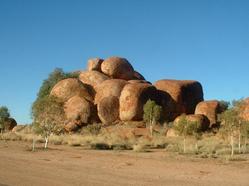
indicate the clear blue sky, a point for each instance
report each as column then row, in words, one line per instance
column 205, row 40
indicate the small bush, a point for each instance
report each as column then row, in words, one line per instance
column 100, row 146
column 93, row 129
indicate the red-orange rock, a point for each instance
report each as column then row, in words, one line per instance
column 94, row 64
column 70, row 87
column 108, row 109
column 139, row 81
column 210, row 109
column 138, row 76
column 132, row 99
column 92, row 78
column 185, row 94
column 201, row 119
column 118, row 68
column 111, row 87
column 78, row 109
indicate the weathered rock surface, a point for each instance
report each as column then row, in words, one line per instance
column 108, row 109
column 138, row 76
column 112, row 87
column 70, row 87
column 210, row 109
column 139, row 81
column 78, row 110
column 185, row 94
column 199, row 118
column 94, row 64
column 92, row 78
column 132, row 99
column 117, row 68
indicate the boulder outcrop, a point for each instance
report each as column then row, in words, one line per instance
column 94, row 64
column 108, row 109
column 67, row 88
column 117, row 68
column 78, row 110
column 132, row 99
column 185, row 95
column 199, row 118
column 111, row 87
column 210, row 109
column 92, row 78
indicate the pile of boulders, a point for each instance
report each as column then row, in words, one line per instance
column 111, row 90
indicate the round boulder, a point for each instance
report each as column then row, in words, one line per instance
column 94, row 64
column 92, row 78
column 210, row 109
column 186, row 94
column 78, row 109
column 108, row 109
column 132, row 99
column 112, row 87
column 118, row 68
column 199, row 118
column 67, row 88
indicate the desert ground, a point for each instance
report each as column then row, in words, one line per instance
column 65, row 165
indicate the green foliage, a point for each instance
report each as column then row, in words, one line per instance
column 188, row 128
column 4, row 115
column 152, row 112
column 224, row 105
column 57, row 75
column 49, row 118
column 47, row 85
column 229, row 121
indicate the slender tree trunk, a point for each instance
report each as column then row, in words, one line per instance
column 33, row 145
column 239, row 142
column 46, row 143
column 245, row 143
column 232, row 145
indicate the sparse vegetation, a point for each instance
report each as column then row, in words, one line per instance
column 152, row 114
column 49, row 118
column 4, row 115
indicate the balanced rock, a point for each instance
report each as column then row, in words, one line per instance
column 111, row 87
column 118, row 68
column 186, row 94
column 199, row 118
column 108, row 109
column 210, row 109
column 67, row 88
column 94, row 64
column 92, row 78
column 78, row 109
column 132, row 99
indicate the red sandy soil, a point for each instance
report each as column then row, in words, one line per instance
column 64, row 165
